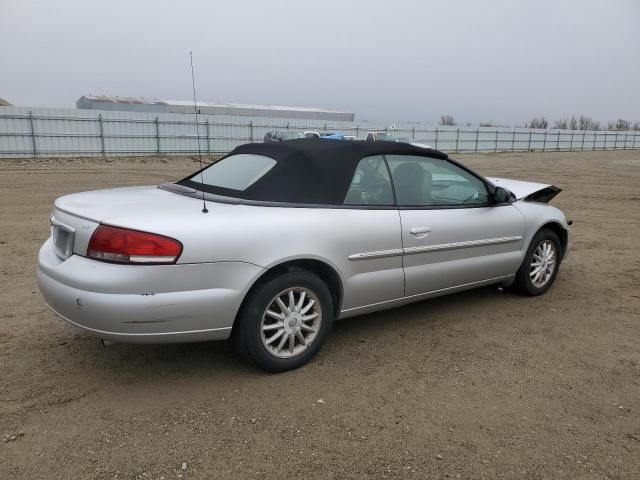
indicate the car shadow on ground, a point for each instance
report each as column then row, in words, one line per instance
column 194, row 358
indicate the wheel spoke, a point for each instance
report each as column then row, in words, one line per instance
column 308, row 306
column 303, row 295
column 283, row 307
column 300, row 338
column 311, row 316
column 283, row 340
column 292, row 342
column 273, row 326
column 272, row 314
column 536, row 277
column 275, row 337
column 307, row 328
column 292, row 301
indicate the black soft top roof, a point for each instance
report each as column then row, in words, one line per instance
column 310, row 170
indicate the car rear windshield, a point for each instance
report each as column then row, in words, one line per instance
column 237, row 172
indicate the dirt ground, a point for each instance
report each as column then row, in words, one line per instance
column 475, row 385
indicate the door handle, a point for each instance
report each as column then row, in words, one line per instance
column 420, row 231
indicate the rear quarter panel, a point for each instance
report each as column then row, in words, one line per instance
column 268, row 236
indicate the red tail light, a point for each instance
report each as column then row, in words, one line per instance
column 121, row 245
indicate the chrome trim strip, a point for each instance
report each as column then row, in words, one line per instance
column 394, row 252
column 441, row 247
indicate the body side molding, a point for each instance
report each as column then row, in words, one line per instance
column 433, row 248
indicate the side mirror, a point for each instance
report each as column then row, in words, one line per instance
column 501, row 195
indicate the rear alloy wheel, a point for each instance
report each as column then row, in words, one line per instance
column 291, row 322
column 284, row 321
column 540, row 265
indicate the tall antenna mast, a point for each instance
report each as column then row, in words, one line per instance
column 195, row 111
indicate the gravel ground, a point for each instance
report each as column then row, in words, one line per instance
column 474, row 385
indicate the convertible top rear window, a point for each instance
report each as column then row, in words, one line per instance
column 306, row 171
column 237, row 172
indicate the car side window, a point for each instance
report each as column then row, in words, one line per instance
column 371, row 184
column 431, row 182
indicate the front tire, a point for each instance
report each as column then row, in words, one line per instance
column 284, row 321
column 540, row 265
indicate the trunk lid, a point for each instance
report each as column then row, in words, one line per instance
column 151, row 209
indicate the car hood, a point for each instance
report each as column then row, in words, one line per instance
column 527, row 190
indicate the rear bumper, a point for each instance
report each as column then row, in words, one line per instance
column 145, row 303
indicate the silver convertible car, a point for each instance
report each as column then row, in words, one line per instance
column 273, row 242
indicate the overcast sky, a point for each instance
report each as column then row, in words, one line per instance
column 492, row 60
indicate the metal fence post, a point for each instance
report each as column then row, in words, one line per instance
column 102, row 151
column 413, row 132
column 208, row 138
column 571, row 145
column 615, row 142
column 544, row 143
column 624, row 145
column 582, row 144
column 477, row 135
column 457, row 139
column 251, row 131
column 436, row 138
column 157, row 135
column 529, row 145
column 635, row 135
column 358, row 130
column 593, row 147
column 33, row 134
column 513, row 139
column 496, row 139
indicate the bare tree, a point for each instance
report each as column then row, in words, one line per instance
column 622, row 124
column 636, row 126
column 573, row 123
column 538, row 123
column 619, row 124
column 587, row 123
column 561, row 124
column 447, row 120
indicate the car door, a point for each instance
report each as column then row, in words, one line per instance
column 452, row 234
column 373, row 271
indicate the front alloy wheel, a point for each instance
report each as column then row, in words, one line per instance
column 543, row 263
column 540, row 265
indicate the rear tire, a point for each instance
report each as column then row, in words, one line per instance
column 540, row 265
column 284, row 321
